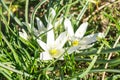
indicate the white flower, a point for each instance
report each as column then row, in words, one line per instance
column 52, row 48
column 37, row 31
column 23, row 34
column 77, row 39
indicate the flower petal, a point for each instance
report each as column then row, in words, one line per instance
column 85, row 46
column 42, row 44
column 45, row 56
column 23, row 34
column 61, row 40
column 52, row 14
column 72, row 49
column 40, row 25
column 81, row 30
column 90, row 38
column 68, row 27
column 50, row 34
column 101, row 35
column 36, row 33
column 80, row 47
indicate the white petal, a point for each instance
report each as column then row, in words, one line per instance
column 52, row 14
column 36, row 33
column 50, row 34
column 40, row 25
column 23, row 34
column 101, row 35
column 85, row 46
column 68, row 27
column 42, row 44
column 80, row 47
column 72, row 49
column 61, row 40
column 81, row 30
column 45, row 56
column 90, row 38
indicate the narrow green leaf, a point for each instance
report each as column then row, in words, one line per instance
column 14, row 53
column 82, row 13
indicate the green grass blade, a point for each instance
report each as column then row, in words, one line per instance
column 91, row 64
column 14, row 53
column 82, row 13
column 105, row 70
column 14, row 70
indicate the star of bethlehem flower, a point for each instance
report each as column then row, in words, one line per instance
column 52, row 48
column 40, row 26
column 77, row 39
column 37, row 31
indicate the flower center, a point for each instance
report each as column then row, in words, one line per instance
column 53, row 52
column 75, row 43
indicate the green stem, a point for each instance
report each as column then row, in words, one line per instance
column 68, row 8
column 26, row 15
column 26, row 11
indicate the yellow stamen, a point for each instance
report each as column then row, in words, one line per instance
column 53, row 52
column 75, row 43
